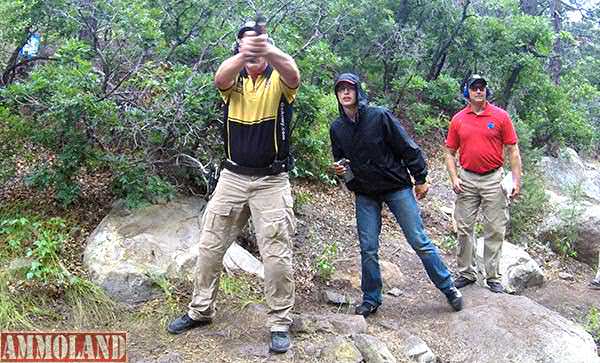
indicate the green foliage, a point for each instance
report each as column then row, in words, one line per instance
column 89, row 303
column 138, row 188
column 592, row 324
column 134, row 79
column 324, row 264
column 10, row 143
column 240, row 287
column 566, row 239
column 301, row 199
column 39, row 240
column 315, row 110
column 527, row 211
column 449, row 242
column 13, row 312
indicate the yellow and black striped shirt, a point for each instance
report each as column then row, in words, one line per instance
column 257, row 119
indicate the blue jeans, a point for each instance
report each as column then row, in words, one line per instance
column 403, row 205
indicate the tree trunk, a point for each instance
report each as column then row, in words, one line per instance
column 508, row 89
column 439, row 57
column 87, row 32
column 529, row 7
column 555, row 61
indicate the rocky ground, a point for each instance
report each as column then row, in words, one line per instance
column 326, row 218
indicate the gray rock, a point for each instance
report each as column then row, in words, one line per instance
column 130, row 249
column 332, row 297
column 500, row 328
column 566, row 276
column 518, row 269
column 395, row 292
column 560, row 175
column 340, row 350
column 19, row 264
column 418, row 350
column 127, row 251
column 391, row 274
column 238, row 259
column 171, row 358
column 343, row 324
column 586, row 224
column 569, row 170
column 372, row 349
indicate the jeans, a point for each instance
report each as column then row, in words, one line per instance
column 404, row 206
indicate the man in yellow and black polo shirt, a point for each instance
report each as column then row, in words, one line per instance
column 258, row 84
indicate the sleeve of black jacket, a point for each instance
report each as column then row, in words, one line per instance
column 336, row 150
column 404, row 148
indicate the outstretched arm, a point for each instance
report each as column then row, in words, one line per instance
column 228, row 71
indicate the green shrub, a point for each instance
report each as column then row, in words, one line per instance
column 301, row 199
column 41, row 241
column 325, row 262
column 315, row 110
column 592, row 324
column 138, row 188
column 527, row 211
column 566, row 239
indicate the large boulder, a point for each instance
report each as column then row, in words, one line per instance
column 579, row 217
column 518, row 269
column 583, row 218
column 567, row 171
column 507, row 328
column 129, row 251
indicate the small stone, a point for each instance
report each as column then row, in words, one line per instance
column 395, row 292
column 554, row 264
column 334, row 298
column 447, row 210
column 566, row 276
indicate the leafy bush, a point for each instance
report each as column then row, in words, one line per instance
column 301, row 199
column 592, row 324
column 64, row 114
column 315, row 110
column 324, row 264
column 527, row 211
column 42, row 241
column 138, row 187
column 566, row 239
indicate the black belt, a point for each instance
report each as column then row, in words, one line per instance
column 484, row 173
column 278, row 166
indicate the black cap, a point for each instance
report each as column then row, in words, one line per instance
column 476, row 78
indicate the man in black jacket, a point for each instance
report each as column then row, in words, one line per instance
column 377, row 158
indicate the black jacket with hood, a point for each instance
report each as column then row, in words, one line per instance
column 380, row 151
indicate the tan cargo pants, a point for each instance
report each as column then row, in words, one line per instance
column 481, row 192
column 268, row 200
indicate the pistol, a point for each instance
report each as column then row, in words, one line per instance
column 260, row 23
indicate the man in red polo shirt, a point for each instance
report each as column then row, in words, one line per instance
column 480, row 133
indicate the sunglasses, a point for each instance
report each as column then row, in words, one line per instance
column 477, row 88
column 345, row 87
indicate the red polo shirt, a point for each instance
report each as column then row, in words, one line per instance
column 480, row 139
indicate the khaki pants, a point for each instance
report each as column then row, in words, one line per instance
column 485, row 192
column 269, row 201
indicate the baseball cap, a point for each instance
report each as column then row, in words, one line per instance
column 340, row 81
column 476, row 78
